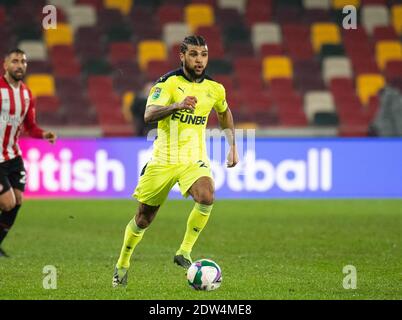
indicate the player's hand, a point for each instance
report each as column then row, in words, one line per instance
column 233, row 157
column 50, row 136
column 188, row 103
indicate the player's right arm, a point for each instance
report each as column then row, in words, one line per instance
column 155, row 112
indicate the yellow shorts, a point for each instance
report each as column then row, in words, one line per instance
column 157, row 180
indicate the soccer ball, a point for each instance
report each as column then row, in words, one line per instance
column 204, row 274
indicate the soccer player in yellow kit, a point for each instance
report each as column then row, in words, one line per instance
column 180, row 101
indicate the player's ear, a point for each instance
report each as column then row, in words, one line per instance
column 181, row 55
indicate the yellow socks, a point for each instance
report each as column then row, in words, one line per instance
column 196, row 222
column 132, row 237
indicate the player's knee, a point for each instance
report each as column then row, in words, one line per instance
column 143, row 221
column 205, row 197
column 7, row 205
column 145, row 215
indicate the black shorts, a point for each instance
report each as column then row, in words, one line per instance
column 12, row 175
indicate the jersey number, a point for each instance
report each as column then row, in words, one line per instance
column 202, row 164
column 23, row 179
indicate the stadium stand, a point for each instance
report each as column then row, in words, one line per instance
column 285, row 63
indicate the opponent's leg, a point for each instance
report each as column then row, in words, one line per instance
column 202, row 192
column 8, row 214
column 133, row 235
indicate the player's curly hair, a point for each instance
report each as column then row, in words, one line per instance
column 192, row 40
column 13, row 50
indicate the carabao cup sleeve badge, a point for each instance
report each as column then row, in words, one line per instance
column 157, row 93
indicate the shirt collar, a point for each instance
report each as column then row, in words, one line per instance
column 181, row 72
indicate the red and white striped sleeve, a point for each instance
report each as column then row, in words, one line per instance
column 30, row 124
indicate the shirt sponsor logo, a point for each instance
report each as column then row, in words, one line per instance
column 189, row 118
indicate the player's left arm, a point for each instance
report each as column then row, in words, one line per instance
column 33, row 129
column 226, row 122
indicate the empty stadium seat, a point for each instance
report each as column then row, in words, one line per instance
column 169, row 13
column 336, row 67
column 387, row 50
column 41, row 84
column 339, row 4
column 260, row 12
column 150, row 50
column 47, row 104
column 213, row 35
column 35, row 50
column 297, row 41
column 198, row 15
column 384, row 33
column 81, row 16
column 324, row 33
column 318, row 102
column 396, row 12
column 175, row 32
column 156, row 69
column 393, row 69
column 239, row 5
column 122, row 51
column 277, row 67
column 262, row 33
column 374, row 16
column 368, row 85
column 271, row 50
column 64, row 4
column 317, row 4
column 63, row 35
column 96, row 4
column 123, row 5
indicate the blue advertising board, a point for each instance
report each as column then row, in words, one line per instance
column 268, row 168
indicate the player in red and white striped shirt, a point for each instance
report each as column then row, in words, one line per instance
column 17, row 110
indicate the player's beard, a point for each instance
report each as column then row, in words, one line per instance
column 192, row 72
column 17, row 77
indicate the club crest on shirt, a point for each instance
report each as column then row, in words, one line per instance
column 157, row 93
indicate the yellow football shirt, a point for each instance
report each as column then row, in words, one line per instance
column 181, row 136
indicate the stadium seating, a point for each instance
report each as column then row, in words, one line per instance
column 175, row 32
column 239, row 5
column 339, row 4
column 368, row 85
column 63, row 35
column 388, row 50
column 199, row 15
column 317, row 4
column 289, row 61
column 336, row 67
column 277, row 67
column 324, row 33
column 35, row 49
column 41, row 84
column 81, row 16
column 123, row 5
column 318, row 102
column 374, row 16
column 263, row 33
column 396, row 13
column 149, row 50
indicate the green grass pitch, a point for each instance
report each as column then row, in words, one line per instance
column 277, row 249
